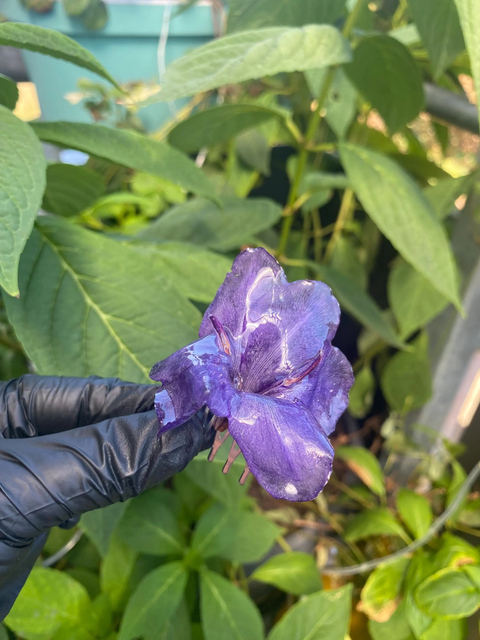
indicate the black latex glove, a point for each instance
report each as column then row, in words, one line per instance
column 71, row 445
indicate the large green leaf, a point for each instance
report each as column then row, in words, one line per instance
column 101, row 523
column 254, row 151
column 150, row 526
column 442, row 195
column 201, row 222
column 469, row 13
column 207, row 128
column 8, row 92
column 154, row 602
column 71, row 189
column 195, row 272
column 253, row 14
column 254, row 54
column 396, row 628
column 415, row 511
column 403, row 215
column 365, row 465
column 439, row 26
column 321, row 616
column 227, row 534
column 49, row 600
column 377, row 522
column 421, row 566
column 376, row 61
column 22, row 181
column 130, row 149
column 413, row 300
column 227, row 613
column 116, row 570
column 92, row 305
column 293, row 572
column 381, row 594
column 358, row 303
column 52, row 43
column 449, row 594
column 441, row 629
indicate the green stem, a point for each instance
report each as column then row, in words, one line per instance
column 348, row 202
column 317, row 235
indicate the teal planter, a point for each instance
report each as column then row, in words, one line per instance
column 127, row 47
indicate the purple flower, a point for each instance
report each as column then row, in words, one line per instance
column 265, row 367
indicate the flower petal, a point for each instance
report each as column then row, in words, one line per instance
column 190, row 377
column 283, row 445
column 325, row 390
column 279, row 325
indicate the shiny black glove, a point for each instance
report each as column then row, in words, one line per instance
column 71, row 445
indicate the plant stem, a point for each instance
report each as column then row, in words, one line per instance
column 466, row 529
column 348, row 202
column 317, row 235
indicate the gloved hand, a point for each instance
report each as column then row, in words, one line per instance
column 71, row 445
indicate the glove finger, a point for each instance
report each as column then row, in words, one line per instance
column 39, row 405
column 45, row 481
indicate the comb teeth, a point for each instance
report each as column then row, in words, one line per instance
column 245, row 474
column 220, row 438
column 232, row 456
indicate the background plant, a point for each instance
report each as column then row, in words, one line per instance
column 306, row 139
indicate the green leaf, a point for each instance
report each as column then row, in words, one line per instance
column 8, row 92
column 71, row 189
column 439, row 26
column 253, row 150
column 320, row 616
column 415, row 511
column 130, row 149
column 177, row 628
column 320, row 180
column 378, row 59
column 442, row 195
column 209, row 477
column 420, row 568
column 365, row 465
column 377, row 522
column 200, row 222
column 75, row 7
column 3, row 633
column 473, row 572
column 51, row 43
column 22, row 181
column 362, row 393
column 91, row 305
column 254, row 54
column 293, row 572
column 218, row 124
column 116, row 570
column 469, row 14
column 380, row 596
column 396, row 628
column 101, row 523
column 345, row 259
column 446, row 630
column 195, row 273
column 49, row 600
column 96, row 15
column 237, row 536
column 406, row 380
column 358, row 303
column 253, row 14
column 227, row 613
column 403, row 215
column 413, row 300
column 340, row 103
column 150, row 526
column 455, row 552
column 153, row 603
column 448, row 594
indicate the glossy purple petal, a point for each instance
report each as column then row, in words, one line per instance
column 190, row 378
column 284, row 447
column 324, row 391
column 284, row 323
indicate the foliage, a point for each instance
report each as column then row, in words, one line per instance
column 301, row 136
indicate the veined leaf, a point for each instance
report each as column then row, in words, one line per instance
column 415, row 511
column 227, row 613
column 22, row 181
column 380, row 596
column 449, row 593
column 100, row 524
column 130, row 149
column 377, row 522
column 469, row 14
column 202, row 223
column 92, row 305
column 403, row 215
column 254, row 54
column 253, row 14
column 378, row 59
column 71, row 189
column 208, row 128
column 8, row 92
column 293, row 572
column 365, row 465
column 51, row 43
column 439, row 27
